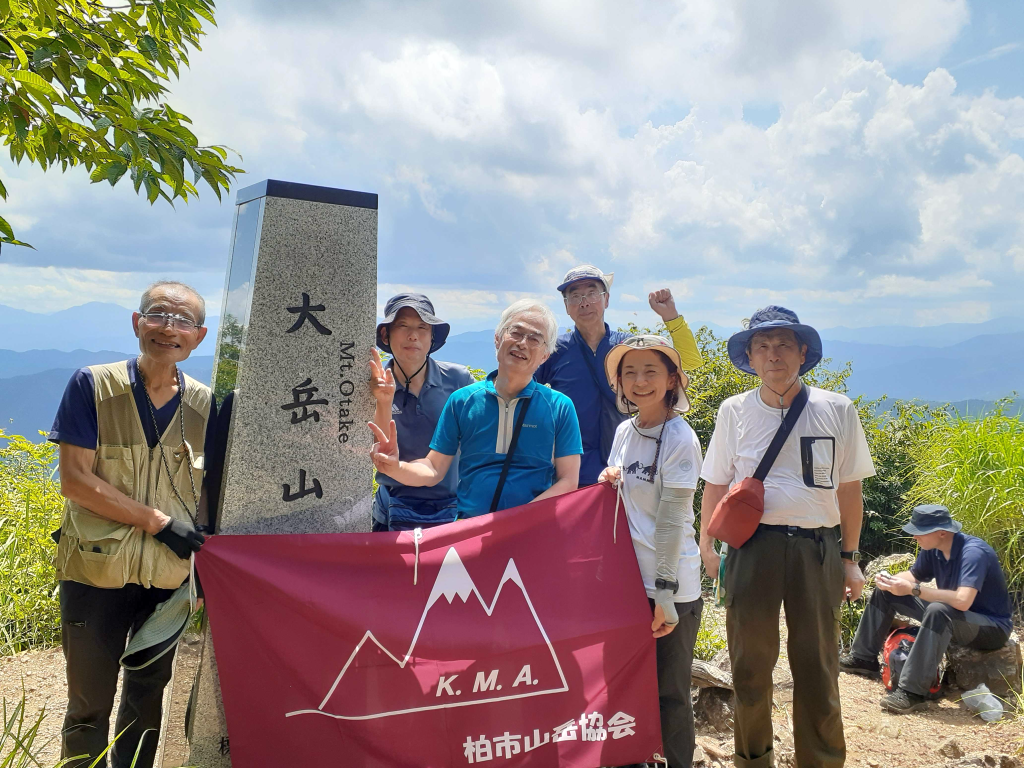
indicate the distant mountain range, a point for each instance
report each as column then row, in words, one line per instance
column 96, row 325
column 970, row 364
column 28, row 402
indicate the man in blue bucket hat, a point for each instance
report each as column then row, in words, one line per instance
column 411, row 389
column 795, row 557
column 969, row 604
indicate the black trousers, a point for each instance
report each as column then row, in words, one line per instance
column 675, row 664
column 940, row 624
column 95, row 627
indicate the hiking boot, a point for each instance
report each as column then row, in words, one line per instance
column 858, row 666
column 901, row 701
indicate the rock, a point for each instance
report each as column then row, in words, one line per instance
column 892, row 563
column 889, row 731
column 782, row 677
column 999, row 670
column 715, row 707
column 982, row 760
column 722, row 660
column 950, row 748
column 699, row 757
column 708, row 675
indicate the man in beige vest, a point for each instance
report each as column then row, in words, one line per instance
column 133, row 438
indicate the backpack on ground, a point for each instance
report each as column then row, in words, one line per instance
column 894, row 656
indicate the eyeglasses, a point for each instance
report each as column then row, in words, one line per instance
column 177, row 322
column 575, row 299
column 533, row 340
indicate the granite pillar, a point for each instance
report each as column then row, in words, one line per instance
column 296, row 330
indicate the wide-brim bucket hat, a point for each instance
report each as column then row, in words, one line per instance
column 662, row 345
column 928, row 518
column 586, row 272
column 768, row 319
column 424, row 308
column 160, row 632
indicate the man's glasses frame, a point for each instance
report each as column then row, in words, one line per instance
column 533, row 340
column 575, row 299
column 177, row 322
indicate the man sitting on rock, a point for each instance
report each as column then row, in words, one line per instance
column 969, row 605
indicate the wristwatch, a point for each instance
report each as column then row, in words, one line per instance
column 663, row 584
column 853, row 555
column 916, row 589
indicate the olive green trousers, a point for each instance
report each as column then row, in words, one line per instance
column 805, row 574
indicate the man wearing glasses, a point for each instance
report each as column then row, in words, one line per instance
column 134, row 439
column 576, row 366
column 519, row 441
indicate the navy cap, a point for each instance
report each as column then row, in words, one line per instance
column 928, row 518
column 768, row 319
column 424, row 308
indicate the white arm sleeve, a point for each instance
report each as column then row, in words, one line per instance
column 668, row 543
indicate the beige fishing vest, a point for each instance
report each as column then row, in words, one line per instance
column 104, row 553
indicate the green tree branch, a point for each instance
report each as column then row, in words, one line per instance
column 81, row 83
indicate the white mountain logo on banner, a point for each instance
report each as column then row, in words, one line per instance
column 522, row 662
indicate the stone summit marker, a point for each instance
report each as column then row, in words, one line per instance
column 296, row 329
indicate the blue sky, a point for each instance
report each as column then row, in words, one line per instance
column 859, row 162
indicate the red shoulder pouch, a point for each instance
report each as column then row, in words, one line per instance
column 738, row 513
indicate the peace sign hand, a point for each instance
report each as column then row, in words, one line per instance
column 384, row 453
column 382, row 381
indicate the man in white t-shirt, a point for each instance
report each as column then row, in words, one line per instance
column 796, row 557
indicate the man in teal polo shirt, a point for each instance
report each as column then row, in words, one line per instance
column 481, row 421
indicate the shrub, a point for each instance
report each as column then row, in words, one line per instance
column 976, row 468
column 893, row 435
column 30, row 509
column 710, row 640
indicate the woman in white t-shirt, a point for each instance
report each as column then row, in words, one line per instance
column 656, row 460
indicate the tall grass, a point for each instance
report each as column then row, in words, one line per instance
column 976, row 468
column 19, row 736
column 30, row 508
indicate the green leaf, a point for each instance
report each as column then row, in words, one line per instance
column 97, row 70
column 20, row 126
column 5, row 228
column 93, row 87
column 103, row 124
column 148, row 46
column 22, row 58
column 115, row 171
column 3, row 190
column 32, row 80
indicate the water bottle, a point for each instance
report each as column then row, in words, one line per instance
column 982, row 701
column 720, row 581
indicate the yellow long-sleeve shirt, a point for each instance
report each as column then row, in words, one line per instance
column 685, row 344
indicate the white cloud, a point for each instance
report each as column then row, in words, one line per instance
column 51, row 289
column 511, row 141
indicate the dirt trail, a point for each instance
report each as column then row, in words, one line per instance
column 874, row 738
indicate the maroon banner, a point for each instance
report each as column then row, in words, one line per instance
column 520, row 638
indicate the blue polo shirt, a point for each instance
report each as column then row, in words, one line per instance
column 478, row 422
column 415, row 421
column 566, row 371
column 972, row 563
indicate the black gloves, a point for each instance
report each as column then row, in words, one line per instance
column 181, row 537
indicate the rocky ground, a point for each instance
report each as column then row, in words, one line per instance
column 945, row 735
